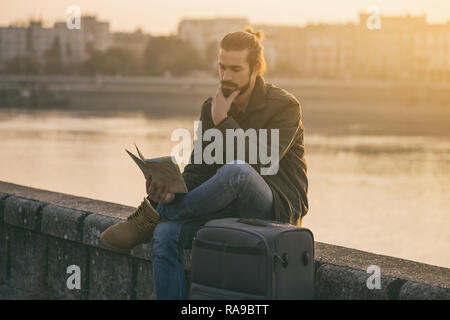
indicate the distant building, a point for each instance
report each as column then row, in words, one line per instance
column 405, row 47
column 72, row 44
column 135, row 42
column 284, row 49
column 328, row 51
column 39, row 39
column 431, row 52
column 204, row 33
column 96, row 34
column 75, row 45
column 282, row 46
column 13, row 43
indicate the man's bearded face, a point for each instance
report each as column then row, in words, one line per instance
column 228, row 88
column 235, row 72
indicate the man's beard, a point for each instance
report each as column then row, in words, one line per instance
column 227, row 91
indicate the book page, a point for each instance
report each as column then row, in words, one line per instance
column 162, row 169
column 168, row 174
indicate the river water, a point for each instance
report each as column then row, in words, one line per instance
column 383, row 194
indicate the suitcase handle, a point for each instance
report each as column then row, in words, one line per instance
column 255, row 222
column 225, row 247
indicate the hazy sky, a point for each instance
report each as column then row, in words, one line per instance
column 163, row 16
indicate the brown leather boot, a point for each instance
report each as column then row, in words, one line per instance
column 137, row 229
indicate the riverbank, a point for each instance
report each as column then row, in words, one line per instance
column 329, row 107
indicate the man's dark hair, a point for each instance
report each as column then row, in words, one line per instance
column 248, row 39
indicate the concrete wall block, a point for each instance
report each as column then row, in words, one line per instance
column 94, row 225
column 62, row 222
column 110, row 275
column 144, row 284
column 143, row 251
column 23, row 213
column 61, row 255
column 420, row 291
column 3, row 196
column 28, row 259
column 344, row 283
column 3, row 253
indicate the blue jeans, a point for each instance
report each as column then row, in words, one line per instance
column 236, row 190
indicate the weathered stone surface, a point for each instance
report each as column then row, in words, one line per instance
column 94, row 225
column 62, row 222
column 340, row 271
column 7, row 292
column 3, row 196
column 67, row 200
column 3, row 240
column 23, row 213
column 28, row 258
column 390, row 266
column 143, row 251
column 343, row 283
column 144, row 284
column 420, row 291
column 3, row 252
column 61, row 255
column 110, row 275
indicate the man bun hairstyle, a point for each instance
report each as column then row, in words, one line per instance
column 258, row 34
column 247, row 39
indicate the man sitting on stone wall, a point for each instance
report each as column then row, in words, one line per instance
column 231, row 188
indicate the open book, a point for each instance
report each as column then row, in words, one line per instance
column 164, row 169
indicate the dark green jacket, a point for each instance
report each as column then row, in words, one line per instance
column 269, row 107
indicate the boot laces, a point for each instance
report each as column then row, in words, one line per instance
column 141, row 219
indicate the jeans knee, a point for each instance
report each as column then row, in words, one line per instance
column 166, row 237
column 237, row 174
column 236, row 168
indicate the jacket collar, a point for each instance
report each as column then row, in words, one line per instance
column 256, row 100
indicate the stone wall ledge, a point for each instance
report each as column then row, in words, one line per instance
column 42, row 233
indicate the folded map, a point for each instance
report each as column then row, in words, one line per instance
column 163, row 169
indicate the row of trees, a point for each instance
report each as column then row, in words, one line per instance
column 162, row 54
column 50, row 63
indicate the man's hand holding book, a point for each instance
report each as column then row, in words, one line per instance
column 157, row 191
column 162, row 175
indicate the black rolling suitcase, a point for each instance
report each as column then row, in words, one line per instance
column 241, row 259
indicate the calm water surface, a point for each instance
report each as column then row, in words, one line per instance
column 382, row 194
